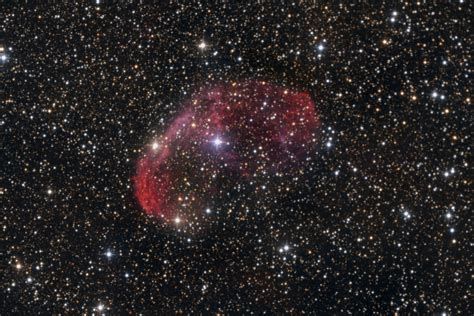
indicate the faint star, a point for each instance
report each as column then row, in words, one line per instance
column 406, row 214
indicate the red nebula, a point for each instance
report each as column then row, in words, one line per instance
column 225, row 134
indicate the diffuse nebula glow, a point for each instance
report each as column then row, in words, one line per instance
column 226, row 134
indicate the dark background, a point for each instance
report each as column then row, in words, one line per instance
column 85, row 88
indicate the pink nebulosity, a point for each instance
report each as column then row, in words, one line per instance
column 226, row 133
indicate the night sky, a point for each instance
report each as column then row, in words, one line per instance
column 291, row 158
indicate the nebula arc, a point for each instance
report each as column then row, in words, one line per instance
column 226, row 133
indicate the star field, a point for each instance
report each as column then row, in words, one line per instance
column 306, row 158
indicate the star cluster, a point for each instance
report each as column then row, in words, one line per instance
column 369, row 214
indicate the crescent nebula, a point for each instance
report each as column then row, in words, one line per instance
column 227, row 139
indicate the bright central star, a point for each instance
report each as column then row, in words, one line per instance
column 217, row 142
